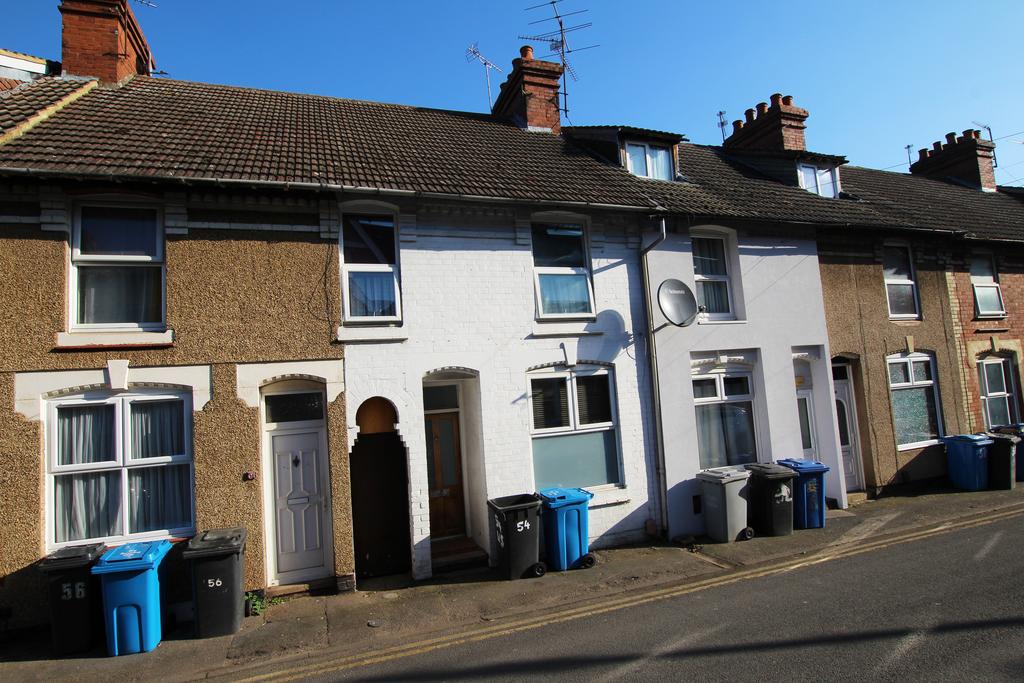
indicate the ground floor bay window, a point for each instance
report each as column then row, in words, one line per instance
column 575, row 440
column 119, row 467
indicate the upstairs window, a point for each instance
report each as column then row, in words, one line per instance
column 370, row 269
column 725, row 419
column 988, row 296
column 995, row 378
column 900, row 286
column 560, row 270
column 117, row 269
column 820, row 181
column 915, row 400
column 574, row 429
column 649, row 161
column 711, row 273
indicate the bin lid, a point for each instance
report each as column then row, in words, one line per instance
column 523, row 501
column 976, row 439
column 71, row 557
column 1012, row 437
column 770, row 470
column 557, row 497
column 724, row 475
column 804, row 465
column 132, row 557
column 216, row 542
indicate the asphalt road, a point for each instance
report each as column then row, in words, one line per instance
column 950, row 607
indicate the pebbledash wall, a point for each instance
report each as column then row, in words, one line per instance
column 777, row 338
column 467, row 289
column 248, row 304
column 862, row 333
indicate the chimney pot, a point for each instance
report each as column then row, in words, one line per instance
column 976, row 134
column 950, row 138
column 787, row 100
column 776, row 99
column 762, row 107
column 526, row 52
column 937, row 146
column 922, row 154
column 969, row 134
column 737, row 126
column 749, row 114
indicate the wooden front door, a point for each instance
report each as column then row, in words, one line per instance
column 444, row 474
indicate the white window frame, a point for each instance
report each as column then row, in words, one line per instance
column 1009, row 388
column 807, row 396
column 908, row 359
column 832, row 172
column 122, row 462
column 727, row 278
column 574, row 426
column 555, row 270
column 719, row 375
column 647, row 154
column 975, row 286
column 115, row 260
column 395, row 269
column 895, row 281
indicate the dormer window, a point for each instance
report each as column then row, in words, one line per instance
column 821, row 181
column 649, row 161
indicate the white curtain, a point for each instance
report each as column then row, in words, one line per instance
column 87, row 505
column 122, row 294
column 714, row 296
column 158, row 498
column 725, row 434
column 157, row 429
column 371, row 294
column 564, row 293
column 85, row 434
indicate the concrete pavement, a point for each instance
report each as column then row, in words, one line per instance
column 389, row 614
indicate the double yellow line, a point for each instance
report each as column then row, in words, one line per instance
column 538, row 621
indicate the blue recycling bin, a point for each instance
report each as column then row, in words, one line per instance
column 808, row 492
column 967, row 461
column 131, row 595
column 566, row 527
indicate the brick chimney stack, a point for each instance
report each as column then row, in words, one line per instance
column 776, row 128
column 967, row 158
column 529, row 96
column 102, row 38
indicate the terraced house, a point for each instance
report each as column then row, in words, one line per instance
column 347, row 325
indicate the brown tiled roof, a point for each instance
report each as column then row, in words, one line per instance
column 159, row 129
column 26, row 99
column 936, row 204
column 8, row 83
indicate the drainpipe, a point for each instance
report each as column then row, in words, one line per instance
column 652, row 353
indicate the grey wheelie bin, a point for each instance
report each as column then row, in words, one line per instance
column 724, row 493
column 1002, row 457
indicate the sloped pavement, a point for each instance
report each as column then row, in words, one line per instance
column 387, row 613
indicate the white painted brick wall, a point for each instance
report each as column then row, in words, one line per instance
column 469, row 301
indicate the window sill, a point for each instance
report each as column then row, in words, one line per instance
column 382, row 333
column 907, row 319
column 919, row 445
column 732, row 321
column 563, row 328
column 605, row 496
column 120, row 338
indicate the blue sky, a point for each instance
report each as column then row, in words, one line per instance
column 874, row 75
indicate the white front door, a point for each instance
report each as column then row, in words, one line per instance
column 849, row 442
column 299, row 462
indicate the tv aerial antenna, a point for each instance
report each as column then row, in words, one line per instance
column 910, row 158
column 721, row 122
column 473, row 52
column 988, row 129
column 558, row 43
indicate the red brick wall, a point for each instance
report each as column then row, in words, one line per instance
column 102, row 38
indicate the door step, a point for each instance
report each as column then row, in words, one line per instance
column 452, row 554
column 856, row 498
column 326, row 585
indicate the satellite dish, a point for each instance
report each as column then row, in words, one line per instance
column 677, row 303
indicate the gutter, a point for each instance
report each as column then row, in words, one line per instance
column 318, row 187
column 652, row 354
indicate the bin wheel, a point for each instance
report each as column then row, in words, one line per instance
column 747, row 534
column 588, row 561
column 538, row 570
